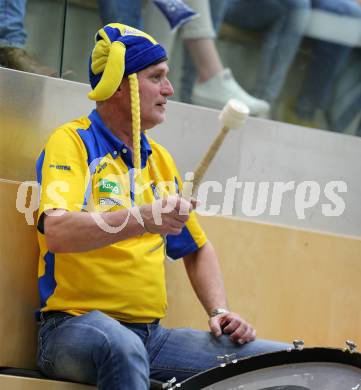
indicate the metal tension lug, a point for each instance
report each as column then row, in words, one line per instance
column 226, row 359
column 351, row 346
column 298, row 345
column 169, row 384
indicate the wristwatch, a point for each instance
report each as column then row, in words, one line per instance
column 219, row 310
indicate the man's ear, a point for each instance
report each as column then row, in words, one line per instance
column 118, row 92
column 122, row 87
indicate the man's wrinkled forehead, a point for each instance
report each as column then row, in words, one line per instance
column 161, row 66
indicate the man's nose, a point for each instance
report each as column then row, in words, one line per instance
column 167, row 88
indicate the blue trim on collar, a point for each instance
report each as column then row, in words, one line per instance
column 145, row 149
column 113, row 143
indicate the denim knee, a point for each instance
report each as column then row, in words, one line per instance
column 124, row 353
column 123, row 345
column 114, row 339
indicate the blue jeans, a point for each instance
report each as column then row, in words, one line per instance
column 96, row 349
column 339, row 123
column 346, row 98
column 283, row 22
column 121, row 11
column 12, row 31
column 328, row 59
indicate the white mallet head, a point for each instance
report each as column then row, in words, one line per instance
column 234, row 114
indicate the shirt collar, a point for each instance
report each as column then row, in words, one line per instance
column 115, row 144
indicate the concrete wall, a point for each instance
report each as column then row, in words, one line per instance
column 263, row 151
column 289, row 283
column 268, row 151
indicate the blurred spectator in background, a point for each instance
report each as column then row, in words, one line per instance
column 339, row 121
column 283, row 23
column 13, row 38
column 345, row 105
column 121, row 11
column 215, row 85
column 328, row 59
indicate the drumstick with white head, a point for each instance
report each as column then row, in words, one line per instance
column 233, row 115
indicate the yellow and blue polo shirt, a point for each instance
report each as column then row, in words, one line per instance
column 85, row 167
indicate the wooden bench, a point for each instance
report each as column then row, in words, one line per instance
column 19, row 299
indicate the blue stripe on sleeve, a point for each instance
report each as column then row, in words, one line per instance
column 181, row 244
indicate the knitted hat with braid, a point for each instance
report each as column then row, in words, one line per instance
column 121, row 51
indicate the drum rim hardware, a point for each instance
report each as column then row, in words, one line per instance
column 298, row 344
column 351, row 346
column 227, row 358
column 253, row 363
column 170, row 382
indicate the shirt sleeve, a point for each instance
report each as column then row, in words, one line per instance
column 63, row 173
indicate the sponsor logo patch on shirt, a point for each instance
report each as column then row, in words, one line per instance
column 61, row 167
column 101, row 167
column 108, row 186
column 110, row 201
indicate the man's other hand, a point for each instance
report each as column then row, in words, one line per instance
column 168, row 215
column 238, row 329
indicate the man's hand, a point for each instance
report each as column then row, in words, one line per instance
column 167, row 216
column 231, row 323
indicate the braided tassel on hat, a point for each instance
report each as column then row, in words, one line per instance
column 122, row 51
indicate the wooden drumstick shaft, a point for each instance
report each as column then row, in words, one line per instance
column 190, row 186
column 208, row 158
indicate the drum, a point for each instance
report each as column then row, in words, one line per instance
column 306, row 369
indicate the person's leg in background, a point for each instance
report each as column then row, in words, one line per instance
column 12, row 30
column 340, row 123
column 215, row 85
column 345, row 100
column 280, row 47
column 140, row 14
column 121, row 11
column 328, row 59
column 283, row 23
column 13, row 39
column 344, row 109
column 198, row 36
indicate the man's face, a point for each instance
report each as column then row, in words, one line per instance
column 154, row 89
